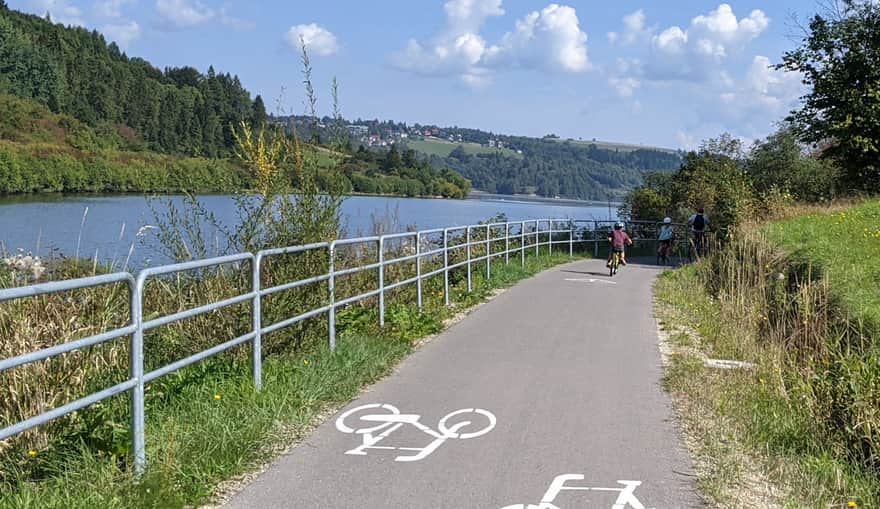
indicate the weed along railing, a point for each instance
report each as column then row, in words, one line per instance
column 434, row 253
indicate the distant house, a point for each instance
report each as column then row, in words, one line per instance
column 358, row 130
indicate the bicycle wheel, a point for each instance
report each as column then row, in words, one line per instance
column 455, row 430
column 363, row 411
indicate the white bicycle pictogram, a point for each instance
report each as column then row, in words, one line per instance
column 376, row 421
column 626, row 495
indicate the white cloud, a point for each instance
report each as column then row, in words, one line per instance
column 318, row 40
column 634, row 28
column 671, row 41
column 767, row 88
column 694, row 53
column 237, row 24
column 721, row 26
column 464, row 16
column 183, row 13
column 122, row 33
column 625, row 78
column 710, row 37
column 685, row 140
column 547, row 39
column 59, row 10
column 457, row 49
column 110, row 9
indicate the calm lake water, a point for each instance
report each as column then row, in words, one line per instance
column 55, row 224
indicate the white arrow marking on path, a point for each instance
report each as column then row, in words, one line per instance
column 584, row 280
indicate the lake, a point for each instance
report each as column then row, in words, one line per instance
column 106, row 227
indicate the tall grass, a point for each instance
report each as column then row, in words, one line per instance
column 813, row 405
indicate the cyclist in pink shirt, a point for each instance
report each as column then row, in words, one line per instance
column 619, row 240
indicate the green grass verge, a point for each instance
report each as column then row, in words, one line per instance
column 218, row 427
column 751, row 433
column 845, row 244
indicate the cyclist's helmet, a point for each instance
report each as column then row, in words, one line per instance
column 667, row 220
column 618, row 226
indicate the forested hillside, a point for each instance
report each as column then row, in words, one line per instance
column 74, row 71
column 511, row 164
column 78, row 115
column 550, row 168
column 41, row 151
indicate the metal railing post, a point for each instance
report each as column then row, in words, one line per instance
column 331, row 288
column 507, row 243
column 136, row 371
column 537, row 236
column 382, row 281
column 550, row 236
column 419, row 270
column 522, row 244
column 468, row 244
column 595, row 239
column 256, row 343
column 488, row 252
column 446, row 266
column 570, row 238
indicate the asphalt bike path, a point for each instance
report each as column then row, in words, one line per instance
column 546, row 397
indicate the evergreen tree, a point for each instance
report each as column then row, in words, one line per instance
column 259, row 116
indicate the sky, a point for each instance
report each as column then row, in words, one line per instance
column 655, row 73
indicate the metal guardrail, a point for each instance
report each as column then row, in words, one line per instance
column 528, row 235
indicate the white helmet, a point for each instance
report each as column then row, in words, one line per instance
column 667, row 220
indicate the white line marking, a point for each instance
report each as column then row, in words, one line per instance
column 590, row 280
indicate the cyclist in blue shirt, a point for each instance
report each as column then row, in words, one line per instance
column 667, row 235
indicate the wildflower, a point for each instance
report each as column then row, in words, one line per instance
column 852, row 503
column 306, row 362
column 217, row 397
column 32, row 453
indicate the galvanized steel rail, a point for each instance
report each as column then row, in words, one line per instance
column 528, row 234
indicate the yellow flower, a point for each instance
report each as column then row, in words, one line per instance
column 852, row 503
column 32, row 453
column 306, row 362
column 217, row 397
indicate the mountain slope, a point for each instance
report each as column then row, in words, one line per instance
column 74, row 71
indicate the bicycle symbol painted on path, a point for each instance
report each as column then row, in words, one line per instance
column 625, row 498
column 376, row 422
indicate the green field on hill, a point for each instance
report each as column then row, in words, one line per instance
column 442, row 148
column 610, row 145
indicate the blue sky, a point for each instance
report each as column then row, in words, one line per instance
column 668, row 74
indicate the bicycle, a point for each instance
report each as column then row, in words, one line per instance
column 663, row 250
column 699, row 245
column 615, row 263
column 391, row 420
column 625, row 494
